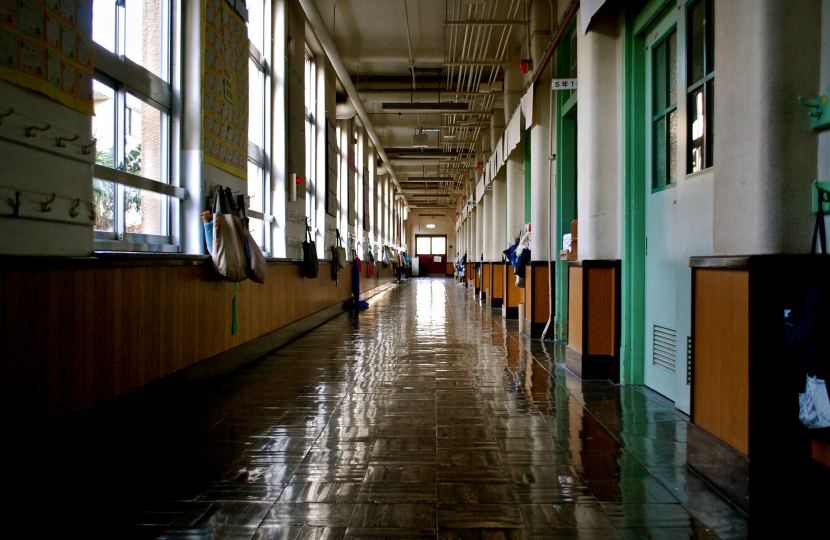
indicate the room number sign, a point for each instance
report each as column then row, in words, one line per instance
column 563, row 84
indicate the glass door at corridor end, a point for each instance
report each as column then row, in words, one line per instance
column 663, row 164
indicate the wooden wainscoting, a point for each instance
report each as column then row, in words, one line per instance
column 496, row 297
column 721, row 355
column 450, row 269
column 594, row 319
column 512, row 294
column 537, row 305
column 575, row 306
column 76, row 337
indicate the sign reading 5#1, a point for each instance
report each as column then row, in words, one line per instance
column 563, row 84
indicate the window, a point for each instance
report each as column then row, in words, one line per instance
column 430, row 245
column 132, row 99
column 664, row 111
column 700, row 76
column 258, row 137
column 310, row 139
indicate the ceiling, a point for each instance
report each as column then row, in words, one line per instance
column 371, row 38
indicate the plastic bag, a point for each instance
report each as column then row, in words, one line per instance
column 814, row 404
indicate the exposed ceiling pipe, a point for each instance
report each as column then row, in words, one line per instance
column 319, row 27
column 432, row 192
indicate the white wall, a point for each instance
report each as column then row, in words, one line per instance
column 767, row 54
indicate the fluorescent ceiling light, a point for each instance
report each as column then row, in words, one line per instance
column 430, row 225
column 426, row 107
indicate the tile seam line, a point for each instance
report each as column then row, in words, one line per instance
column 659, row 481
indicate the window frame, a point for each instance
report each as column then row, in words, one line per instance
column 124, row 76
column 310, row 99
column 258, row 156
column 431, row 237
column 654, row 115
column 704, row 84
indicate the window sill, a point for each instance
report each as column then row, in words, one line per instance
column 140, row 247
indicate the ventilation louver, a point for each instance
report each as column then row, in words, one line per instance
column 664, row 349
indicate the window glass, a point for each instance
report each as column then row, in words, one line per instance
column 255, row 185
column 103, row 24
column 144, row 140
column 257, row 228
column 696, row 41
column 103, row 123
column 145, row 39
column 700, row 85
column 664, row 112
column 256, row 85
column 423, row 245
column 439, row 245
column 256, row 25
column 145, row 212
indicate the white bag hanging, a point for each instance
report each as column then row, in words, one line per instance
column 814, row 404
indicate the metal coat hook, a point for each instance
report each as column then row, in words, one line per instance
column 31, row 131
column 6, row 115
column 15, row 203
column 63, row 140
column 817, row 109
column 73, row 212
column 47, row 205
column 88, row 148
column 92, row 212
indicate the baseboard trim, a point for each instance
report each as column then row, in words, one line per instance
column 719, row 464
column 592, row 367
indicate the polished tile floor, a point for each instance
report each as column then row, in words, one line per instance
column 427, row 416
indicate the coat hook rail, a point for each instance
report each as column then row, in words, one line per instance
column 6, row 115
column 31, row 131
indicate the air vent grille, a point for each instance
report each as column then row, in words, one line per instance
column 665, row 344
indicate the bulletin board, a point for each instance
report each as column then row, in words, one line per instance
column 225, row 105
column 46, row 46
column 352, row 186
column 367, row 221
column 331, row 168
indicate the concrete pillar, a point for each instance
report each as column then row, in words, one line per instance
column 598, row 161
column 487, row 226
column 540, row 28
column 515, row 163
column 541, row 166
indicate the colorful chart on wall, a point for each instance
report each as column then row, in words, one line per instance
column 332, row 152
column 225, row 106
column 46, row 46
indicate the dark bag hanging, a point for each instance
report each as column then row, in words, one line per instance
column 818, row 230
column 310, row 266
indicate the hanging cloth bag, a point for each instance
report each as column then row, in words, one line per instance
column 341, row 252
column 227, row 239
column 311, row 265
column 257, row 268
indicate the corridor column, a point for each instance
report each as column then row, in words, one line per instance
column 515, row 187
column 496, row 243
column 538, row 293
column 593, row 280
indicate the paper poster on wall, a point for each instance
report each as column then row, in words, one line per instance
column 332, row 151
column 47, row 47
column 225, row 106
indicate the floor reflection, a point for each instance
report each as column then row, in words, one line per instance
column 427, row 416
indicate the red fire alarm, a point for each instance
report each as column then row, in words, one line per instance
column 456, row 213
column 464, row 198
column 478, row 164
column 299, row 180
column 525, row 65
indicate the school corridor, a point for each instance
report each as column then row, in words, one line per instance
column 424, row 416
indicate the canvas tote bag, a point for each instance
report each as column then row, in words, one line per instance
column 227, row 248
column 257, row 268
